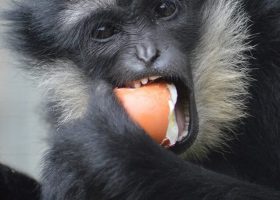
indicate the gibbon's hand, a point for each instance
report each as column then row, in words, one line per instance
column 106, row 113
column 115, row 156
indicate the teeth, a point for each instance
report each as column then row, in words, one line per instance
column 144, row 81
column 137, row 84
column 152, row 78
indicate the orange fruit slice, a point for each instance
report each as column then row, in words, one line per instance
column 150, row 107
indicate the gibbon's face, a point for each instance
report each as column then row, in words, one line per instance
column 134, row 42
column 197, row 45
column 130, row 43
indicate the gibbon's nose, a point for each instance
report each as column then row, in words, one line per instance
column 147, row 53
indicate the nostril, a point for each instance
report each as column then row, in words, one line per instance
column 156, row 55
column 147, row 53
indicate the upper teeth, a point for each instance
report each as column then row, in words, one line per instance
column 136, row 84
column 152, row 78
column 144, row 81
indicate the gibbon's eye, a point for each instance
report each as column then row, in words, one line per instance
column 104, row 31
column 166, row 9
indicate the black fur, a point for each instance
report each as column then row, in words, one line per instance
column 105, row 156
column 15, row 186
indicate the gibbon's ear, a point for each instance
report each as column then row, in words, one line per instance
column 14, row 185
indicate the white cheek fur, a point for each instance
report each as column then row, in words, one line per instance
column 65, row 86
column 220, row 74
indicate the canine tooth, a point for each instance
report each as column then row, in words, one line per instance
column 144, row 81
column 172, row 130
column 152, row 78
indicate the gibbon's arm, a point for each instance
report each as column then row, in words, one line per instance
column 113, row 159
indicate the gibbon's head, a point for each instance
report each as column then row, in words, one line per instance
column 199, row 46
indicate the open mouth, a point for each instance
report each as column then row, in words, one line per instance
column 184, row 110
